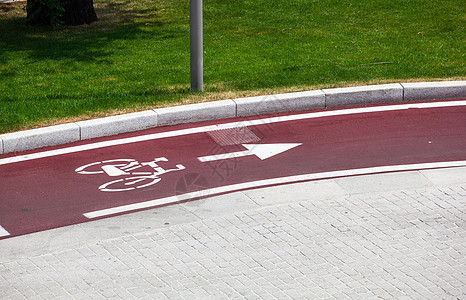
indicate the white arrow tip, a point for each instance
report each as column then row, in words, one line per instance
column 264, row 151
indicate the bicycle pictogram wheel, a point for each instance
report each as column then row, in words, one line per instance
column 129, row 183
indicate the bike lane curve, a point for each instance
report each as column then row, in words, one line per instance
column 41, row 191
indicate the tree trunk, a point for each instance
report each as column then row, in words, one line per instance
column 55, row 12
column 78, row 12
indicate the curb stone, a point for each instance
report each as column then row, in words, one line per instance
column 82, row 130
column 433, row 90
column 40, row 137
column 117, row 124
column 196, row 112
column 11, row 1
column 364, row 95
column 279, row 103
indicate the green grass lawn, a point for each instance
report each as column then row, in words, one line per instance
column 137, row 56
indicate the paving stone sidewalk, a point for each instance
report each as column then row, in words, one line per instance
column 403, row 244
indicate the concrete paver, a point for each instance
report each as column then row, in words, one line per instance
column 383, row 182
column 402, row 243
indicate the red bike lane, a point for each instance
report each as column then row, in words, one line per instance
column 51, row 191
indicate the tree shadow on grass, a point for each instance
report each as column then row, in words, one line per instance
column 85, row 43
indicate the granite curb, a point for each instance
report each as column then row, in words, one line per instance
column 82, row 130
column 11, row 1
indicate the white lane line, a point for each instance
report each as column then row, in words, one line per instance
column 201, row 129
column 268, row 182
column 3, row 232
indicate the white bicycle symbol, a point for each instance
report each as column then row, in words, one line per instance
column 148, row 173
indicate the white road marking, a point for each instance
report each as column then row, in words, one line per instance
column 263, row 151
column 269, row 182
column 113, row 171
column 3, row 232
column 201, row 129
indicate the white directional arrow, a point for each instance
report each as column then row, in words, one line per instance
column 3, row 232
column 263, row 151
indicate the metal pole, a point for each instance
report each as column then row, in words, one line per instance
column 195, row 19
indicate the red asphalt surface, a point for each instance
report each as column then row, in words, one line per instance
column 47, row 193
